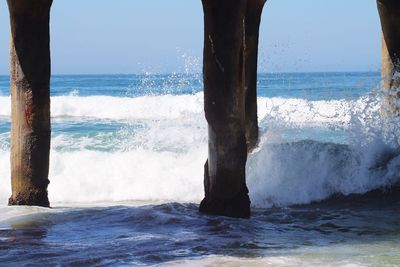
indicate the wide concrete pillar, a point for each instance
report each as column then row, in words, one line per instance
column 30, row 96
column 253, row 19
column 224, row 103
column 389, row 12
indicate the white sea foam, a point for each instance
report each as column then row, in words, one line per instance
column 301, row 172
column 118, row 108
column 301, row 111
column 93, row 176
column 134, row 175
column 5, row 106
column 163, row 159
column 293, row 110
column 5, row 188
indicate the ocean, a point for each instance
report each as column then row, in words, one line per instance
column 126, row 176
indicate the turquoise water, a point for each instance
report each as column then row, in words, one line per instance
column 126, row 176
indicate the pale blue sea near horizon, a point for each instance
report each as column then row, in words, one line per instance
column 126, row 176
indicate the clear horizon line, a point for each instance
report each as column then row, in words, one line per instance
column 199, row 73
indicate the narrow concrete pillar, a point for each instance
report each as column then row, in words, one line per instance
column 226, row 192
column 30, row 96
column 389, row 12
column 253, row 19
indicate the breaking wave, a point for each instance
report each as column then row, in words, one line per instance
column 153, row 148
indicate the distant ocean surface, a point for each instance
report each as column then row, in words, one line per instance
column 126, row 176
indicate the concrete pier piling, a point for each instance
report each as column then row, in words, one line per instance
column 30, row 95
column 226, row 192
column 389, row 12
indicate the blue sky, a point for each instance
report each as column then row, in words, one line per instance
column 135, row 36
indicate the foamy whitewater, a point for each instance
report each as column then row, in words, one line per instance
column 126, row 176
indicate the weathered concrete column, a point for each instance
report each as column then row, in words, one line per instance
column 30, row 95
column 389, row 11
column 224, row 102
column 253, row 19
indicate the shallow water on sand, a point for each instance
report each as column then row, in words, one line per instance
column 324, row 234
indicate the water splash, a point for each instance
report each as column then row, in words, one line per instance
column 153, row 148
